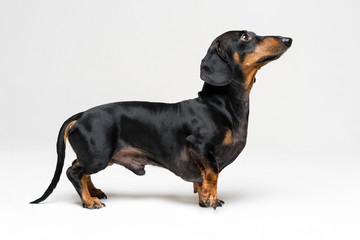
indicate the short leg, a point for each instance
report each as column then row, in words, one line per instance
column 87, row 199
column 79, row 179
column 209, row 169
column 209, row 190
column 94, row 192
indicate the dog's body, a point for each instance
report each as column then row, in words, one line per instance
column 194, row 139
column 140, row 133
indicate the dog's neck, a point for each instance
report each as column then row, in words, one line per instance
column 235, row 96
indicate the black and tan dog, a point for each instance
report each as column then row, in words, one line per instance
column 194, row 139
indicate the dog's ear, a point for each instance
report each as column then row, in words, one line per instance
column 214, row 69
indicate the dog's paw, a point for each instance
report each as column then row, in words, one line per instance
column 94, row 206
column 93, row 203
column 214, row 203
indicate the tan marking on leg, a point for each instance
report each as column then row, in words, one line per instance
column 228, row 138
column 92, row 189
column 209, row 187
column 207, row 190
column 85, row 194
column 89, row 183
column 67, row 129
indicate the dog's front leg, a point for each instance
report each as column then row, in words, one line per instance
column 209, row 169
column 207, row 190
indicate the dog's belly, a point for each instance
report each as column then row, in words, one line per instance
column 136, row 159
column 133, row 159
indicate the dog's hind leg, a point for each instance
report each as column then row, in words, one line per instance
column 87, row 199
column 94, row 192
column 79, row 177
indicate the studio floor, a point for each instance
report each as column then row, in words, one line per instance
column 267, row 196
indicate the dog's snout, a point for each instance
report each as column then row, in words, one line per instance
column 286, row 41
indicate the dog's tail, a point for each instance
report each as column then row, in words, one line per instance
column 60, row 146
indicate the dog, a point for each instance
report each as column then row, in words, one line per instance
column 195, row 139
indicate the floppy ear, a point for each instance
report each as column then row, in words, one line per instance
column 214, row 68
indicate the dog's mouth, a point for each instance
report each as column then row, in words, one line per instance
column 268, row 58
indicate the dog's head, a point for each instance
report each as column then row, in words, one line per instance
column 239, row 55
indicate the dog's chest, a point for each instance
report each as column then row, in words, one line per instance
column 232, row 145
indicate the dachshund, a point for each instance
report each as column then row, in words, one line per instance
column 195, row 139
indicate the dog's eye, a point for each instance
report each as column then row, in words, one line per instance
column 245, row 37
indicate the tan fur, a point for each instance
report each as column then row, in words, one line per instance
column 236, row 58
column 209, row 187
column 228, row 138
column 85, row 194
column 270, row 46
column 67, row 129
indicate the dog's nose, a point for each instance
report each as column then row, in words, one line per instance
column 286, row 41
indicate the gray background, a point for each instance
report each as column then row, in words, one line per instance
column 298, row 177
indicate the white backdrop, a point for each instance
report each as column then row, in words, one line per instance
column 298, row 177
